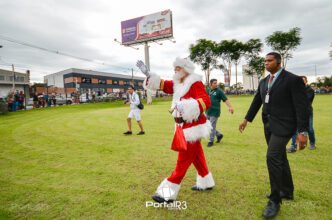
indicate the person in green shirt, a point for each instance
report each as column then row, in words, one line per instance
column 213, row 113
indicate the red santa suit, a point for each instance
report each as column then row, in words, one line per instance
column 194, row 100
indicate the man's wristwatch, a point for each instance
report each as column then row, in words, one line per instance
column 304, row 133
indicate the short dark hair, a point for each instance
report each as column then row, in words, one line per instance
column 276, row 55
column 212, row 80
column 131, row 87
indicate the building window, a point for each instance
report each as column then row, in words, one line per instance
column 101, row 81
column 19, row 79
column 2, row 78
column 86, row 80
column 115, row 82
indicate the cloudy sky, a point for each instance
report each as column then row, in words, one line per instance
column 87, row 29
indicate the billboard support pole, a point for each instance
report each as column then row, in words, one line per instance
column 147, row 55
column 147, row 63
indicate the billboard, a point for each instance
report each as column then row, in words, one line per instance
column 147, row 28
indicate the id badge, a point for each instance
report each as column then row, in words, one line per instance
column 267, row 97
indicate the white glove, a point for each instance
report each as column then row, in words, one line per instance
column 144, row 69
column 179, row 107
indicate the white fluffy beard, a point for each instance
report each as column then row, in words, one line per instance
column 178, row 76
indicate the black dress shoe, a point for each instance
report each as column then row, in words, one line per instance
column 271, row 209
column 141, row 133
column 210, row 144
column 219, row 137
column 161, row 199
column 128, row 133
column 196, row 188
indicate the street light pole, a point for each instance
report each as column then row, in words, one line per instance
column 13, row 69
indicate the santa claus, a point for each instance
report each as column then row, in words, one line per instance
column 190, row 101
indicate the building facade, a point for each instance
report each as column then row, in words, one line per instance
column 87, row 81
column 249, row 82
column 8, row 84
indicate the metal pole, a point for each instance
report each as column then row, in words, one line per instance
column 147, row 63
column 64, row 87
column 146, row 53
column 315, row 71
column 13, row 69
column 132, row 76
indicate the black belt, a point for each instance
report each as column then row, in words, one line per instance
column 178, row 120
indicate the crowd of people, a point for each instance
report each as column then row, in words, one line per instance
column 43, row 100
column 15, row 101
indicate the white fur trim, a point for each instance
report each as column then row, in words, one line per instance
column 185, row 63
column 180, row 89
column 198, row 132
column 205, row 182
column 191, row 110
column 154, row 82
column 168, row 190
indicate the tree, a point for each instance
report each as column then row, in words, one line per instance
column 232, row 51
column 204, row 54
column 256, row 66
column 221, row 86
column 238, row 50
column 284, row 43
column 238, row 85
column 224, row 51
column 324, row 82
column 252, row 48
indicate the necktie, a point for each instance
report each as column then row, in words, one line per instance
column 270, row 82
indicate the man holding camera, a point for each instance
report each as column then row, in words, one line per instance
column 135, row 112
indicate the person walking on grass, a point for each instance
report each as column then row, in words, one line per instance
column 190, row 101
column 283, row 97
column 213, row 113
column 312, row 139
column 135, row 112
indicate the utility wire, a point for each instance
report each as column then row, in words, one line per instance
column 59, row 52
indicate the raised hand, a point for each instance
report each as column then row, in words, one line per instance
column 144, row 69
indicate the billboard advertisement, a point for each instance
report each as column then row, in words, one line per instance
column 147, row 28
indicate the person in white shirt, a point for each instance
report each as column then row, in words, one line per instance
column 135, row 112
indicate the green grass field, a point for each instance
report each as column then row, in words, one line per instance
column 73, row 162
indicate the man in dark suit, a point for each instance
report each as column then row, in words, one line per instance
column 283, row 97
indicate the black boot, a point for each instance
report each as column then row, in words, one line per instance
column 160, row 199
column 196, row 188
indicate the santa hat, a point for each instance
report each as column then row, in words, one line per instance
column 184, row 63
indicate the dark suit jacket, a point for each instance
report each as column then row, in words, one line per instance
column 287, row 109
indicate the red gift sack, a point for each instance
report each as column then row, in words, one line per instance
column 179, row 142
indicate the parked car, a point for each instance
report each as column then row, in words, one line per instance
column 63, row 101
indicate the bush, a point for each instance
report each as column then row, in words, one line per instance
column 3, row 106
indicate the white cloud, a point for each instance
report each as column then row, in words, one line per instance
column 87, row 29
